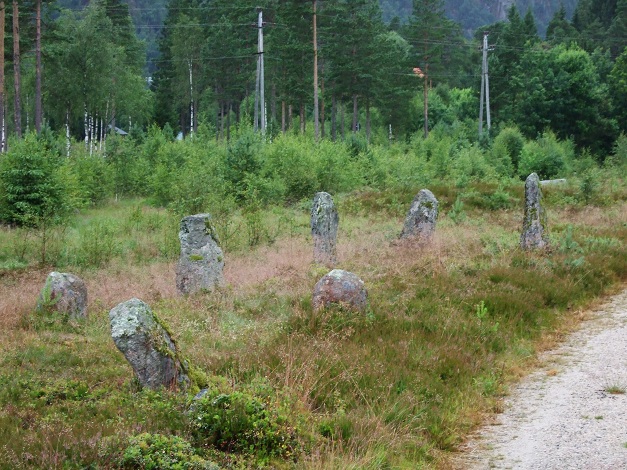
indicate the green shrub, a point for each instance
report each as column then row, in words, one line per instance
column 335, row 170
column 619, row 155
column 469, row 165
column 240, row 422
column 243, row 159
column 546, row 156
column 356, row 144
column 131, row 169
column 159, row 452
column 290, row 160
column 94, row 177
column 506, row 149
column 35, row 189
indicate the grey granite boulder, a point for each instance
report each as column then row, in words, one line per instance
column 147, row 346
column 324, row 224
column 64, row 293
column 535, row 233
column 340, row 287
column 201, row 263
column 421, row 218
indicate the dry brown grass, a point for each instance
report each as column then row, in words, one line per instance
column 286, row 263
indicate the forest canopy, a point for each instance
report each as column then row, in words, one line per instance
column 84, row 69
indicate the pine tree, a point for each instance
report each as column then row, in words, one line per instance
column 429, row 32
column 560, row 30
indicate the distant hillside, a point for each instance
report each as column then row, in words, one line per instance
column 472, row 14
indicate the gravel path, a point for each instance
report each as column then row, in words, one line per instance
column 563, row 416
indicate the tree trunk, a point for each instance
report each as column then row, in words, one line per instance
column 38, row 107
column 191, row 98
column 426, row 107
column 355, row 114
column 283, row 117
column 342, row 121
column 368, row 120
column 302, row 117
column 333, row 118
column 273, row 104
column 113, row 115
column 86, row 127
column 3, row 127
column 220, row 133
column 290, row 114
column 322, row 115
column 17, row 116
column 316, row 115
column 228, row 123
column 67, row 131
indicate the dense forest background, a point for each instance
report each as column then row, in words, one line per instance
column 183, row 63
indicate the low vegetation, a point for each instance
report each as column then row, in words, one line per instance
column 447, row 328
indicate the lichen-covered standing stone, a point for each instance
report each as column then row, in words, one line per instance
column 340, row 287
column 201, row 263
column 64, row 293
column 324, row 223
column 421, row 218
column 147, row 346
column 534, row 233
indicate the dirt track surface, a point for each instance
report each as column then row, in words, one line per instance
column 569, row 414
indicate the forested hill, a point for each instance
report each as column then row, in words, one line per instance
column 472, row 14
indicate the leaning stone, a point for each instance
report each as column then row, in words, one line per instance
column 421, row 218
column 147, row 346
column 324, row 224
column 201, row 263
column 535, row 232
column 64, row 293
column 340, row 287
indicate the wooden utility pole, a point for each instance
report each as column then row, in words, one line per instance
column 315, row 71
column 16, row 70
column 38, row 107
column 3, row 127
column 426, row 98
column 485, row 86
column 260, row 99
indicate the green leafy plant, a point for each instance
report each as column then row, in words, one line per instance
column 158, row 451
column 240, row 422
column 457, row 213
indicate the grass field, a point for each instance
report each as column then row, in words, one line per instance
column 448, row 327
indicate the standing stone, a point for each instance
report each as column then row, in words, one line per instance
column 324, row 223
column 534, row 233
column 421, row 218
column 201, row 262
column 64, row 293
column 147, row 346
column 340, row 287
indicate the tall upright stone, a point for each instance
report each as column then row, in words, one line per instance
column 324, row 224
column 201, row 264
column 535, row 233
column 147, row 346
column 421, row 218
column 64, row 293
